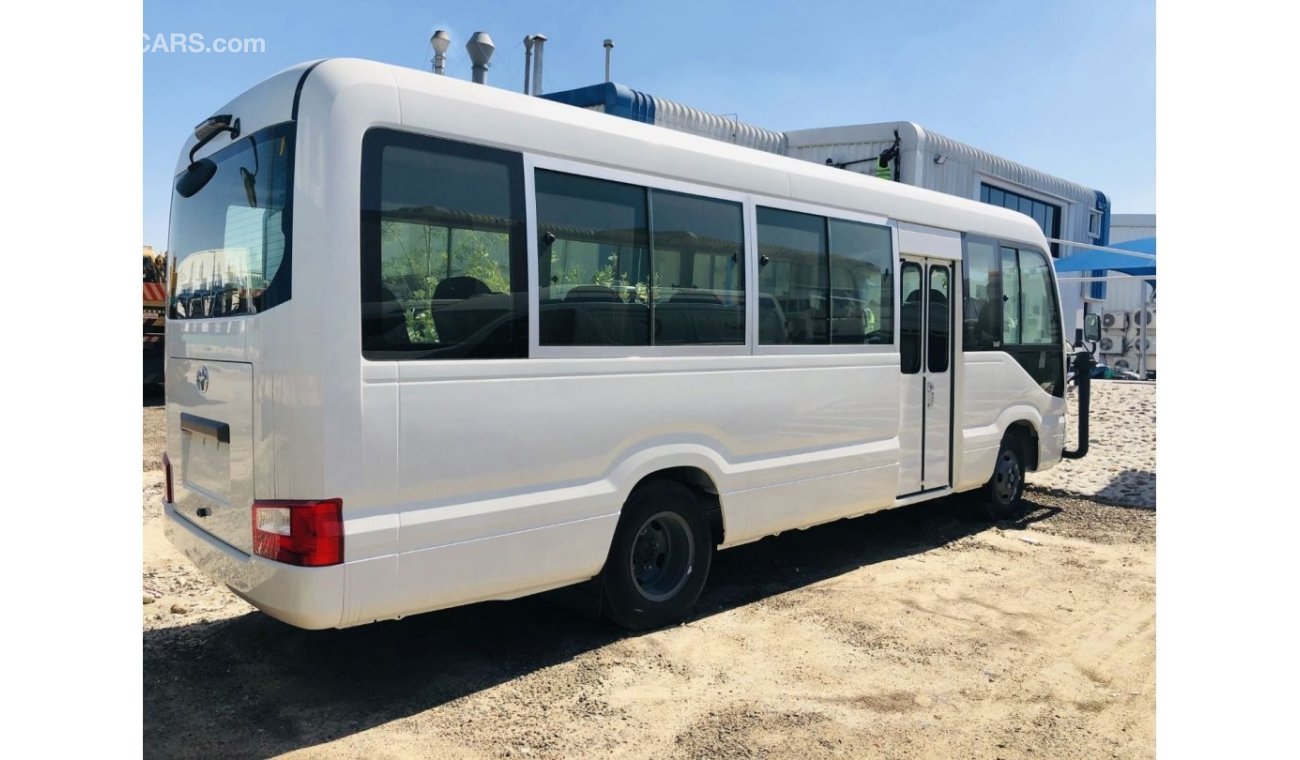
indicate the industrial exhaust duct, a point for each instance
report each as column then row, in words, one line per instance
column 480, row 49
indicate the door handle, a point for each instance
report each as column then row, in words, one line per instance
column 929, row 393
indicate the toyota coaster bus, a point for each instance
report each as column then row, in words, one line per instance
column 432, row 343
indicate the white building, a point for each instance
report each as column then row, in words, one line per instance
column 1123, row 301
column 1126, row 227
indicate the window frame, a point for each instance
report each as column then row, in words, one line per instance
column 830, row 212
column 536, row 283
column 949, row 354
column 921, row 333
column 966, row 240
column 1015, row 350
column 749, row 216
column 279, row 289
column 1054, row 290
column 894, row 257
column 533, row 162
column 374, row 139
column 1018, row 245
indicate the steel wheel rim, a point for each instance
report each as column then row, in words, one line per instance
column 1006, row 478
column 661, row 556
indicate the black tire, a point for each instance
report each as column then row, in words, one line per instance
column 1002, row 497
column 659, row 559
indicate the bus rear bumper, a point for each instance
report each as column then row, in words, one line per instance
column 307, row 597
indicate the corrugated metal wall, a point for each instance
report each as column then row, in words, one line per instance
column 967, row 166
column 963, row 169
column 960, row 174
column 683, row 118
column 860, row 156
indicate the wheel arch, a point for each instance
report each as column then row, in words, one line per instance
column 1026, row 434
column 705, row 488
column 1023, row 423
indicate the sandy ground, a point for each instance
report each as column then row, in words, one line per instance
column 919, row 632
column 1120, row 467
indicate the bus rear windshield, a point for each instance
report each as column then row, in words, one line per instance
column 230, row 241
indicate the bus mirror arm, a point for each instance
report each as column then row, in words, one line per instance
column 210, row 128
column 1083, row 378
column 198, row 173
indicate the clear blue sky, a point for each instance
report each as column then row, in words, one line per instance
column 1067, row 86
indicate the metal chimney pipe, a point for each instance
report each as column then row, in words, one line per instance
column 480, row 49
column 539, row 40
column 528, row 61
column 440, row 41
column 609, row 48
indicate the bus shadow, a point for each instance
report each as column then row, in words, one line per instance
column 1130, row 488
column 252, row 686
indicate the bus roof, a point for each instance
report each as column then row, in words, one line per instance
column 461, row 110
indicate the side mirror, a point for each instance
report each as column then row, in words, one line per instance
column 195, row 177
column 1092, row 328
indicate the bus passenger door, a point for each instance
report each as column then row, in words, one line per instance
column 925, row 349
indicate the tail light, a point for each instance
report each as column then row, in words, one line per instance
column 306, row 533
column 167, row 472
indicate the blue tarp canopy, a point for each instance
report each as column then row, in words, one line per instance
column 1089, row 261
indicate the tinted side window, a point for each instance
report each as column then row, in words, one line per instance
column 912, row 314
column 594, row 261
column 792, row 278
column 1010, row 297
column 862, row 284
column 938, row 319
column 697, row 294
column 1041, row 324
column 442, row 250
column 982, row 313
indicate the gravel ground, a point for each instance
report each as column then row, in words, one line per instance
column 918, row 632
column 1120, row 467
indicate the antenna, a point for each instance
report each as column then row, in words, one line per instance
column 440, row 41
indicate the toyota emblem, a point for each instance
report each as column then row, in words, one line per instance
column 201, row 379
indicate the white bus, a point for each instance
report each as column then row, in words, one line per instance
column 482, row 345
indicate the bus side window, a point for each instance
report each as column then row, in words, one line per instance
column 698, row 270
column 594, row 261
column 910, row 319
column 982, row 315
column 1011, row 317
column 862, row 289
column 793, row 272
column 442, row 250
column 939, row 319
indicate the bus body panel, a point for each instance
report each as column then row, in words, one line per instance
column 210, row 408
column 997, row 393
column 471, row 480
column 320, row 386
column 308, row 597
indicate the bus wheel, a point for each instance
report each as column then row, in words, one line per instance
column 1004, row 491
column 660, row 557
